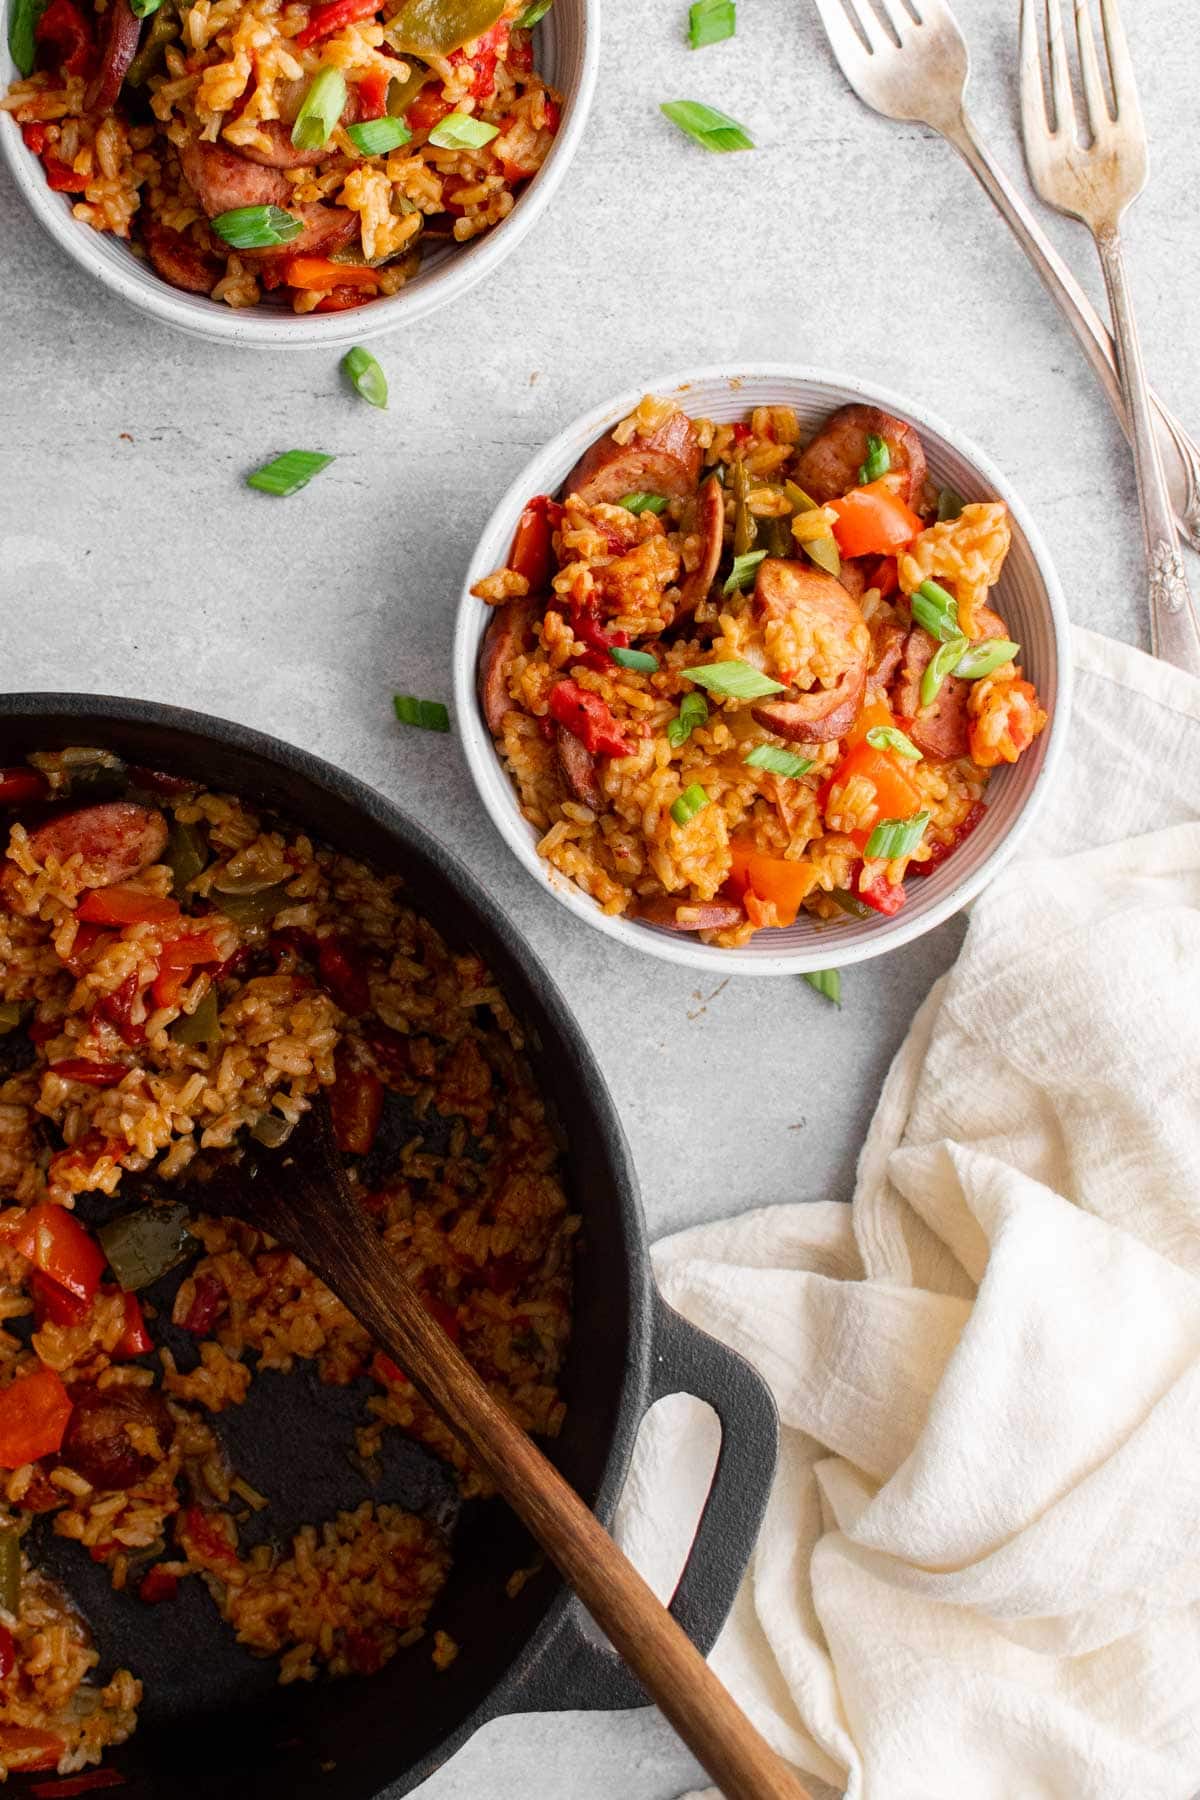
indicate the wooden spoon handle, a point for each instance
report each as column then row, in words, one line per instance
column 359, row 1270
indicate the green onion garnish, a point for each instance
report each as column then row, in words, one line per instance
column 982, row 659
column 366, row 376
column 743, row 566
column 887, row 737
column 896, row 837
column 878, row 460
column 710, row 21
column 288, row 473
column 640, row 503
column 693, row 711
column 22, row 45
column 827, row 982
column 940, row 664
column 634, row 659
column 950, row 504
column 375, row 137
column 737, row 680
column 937, row 611
column 779, row 762
column 428, row 715
column 256, row 227
column 692, row 800
column 711, row 129
column 533, row 15
column 459, row 131
column 320, row 110
column 141, row 9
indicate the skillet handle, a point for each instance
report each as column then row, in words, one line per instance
column 580, row 1675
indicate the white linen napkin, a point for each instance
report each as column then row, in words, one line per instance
column 979, row 1574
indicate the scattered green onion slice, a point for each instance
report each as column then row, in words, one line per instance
column 640, row 503
column 940, row 664
column 459, row 131
column 743, row 568
column 320, row 110
column 692, row 800
column 982, row 659
column 950, row 504
column 141, row 9
column 635, row 659
column 288, row 473
column 887, row 737
column 778, row 761
column 374, row 137
column 711, row 129
column 533, row 15
column 878, row 460
column 144, row 1244
column 896, row 837
column 827, row 982
column 937, row 611
column 735, row 680
column 365, row 374
column 693, row 711
column 710, row 22
column 22, row 44
column 256, row 227
column 429, row 715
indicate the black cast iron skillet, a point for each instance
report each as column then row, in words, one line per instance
column 213, row 1716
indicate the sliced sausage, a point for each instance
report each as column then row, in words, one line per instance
column 690, row 915
column 785, row 590
column 665, row 461
column 325, row 229
column 97, row 1444
column 282, row 153
column 223, row 180
column 578, row 767
column 121, row 33
column 707, row 517
column 115, row 840
column 889, row 648
column 940, row 730
column 829, row 464
column 506, row 637
column 180, row 260
column 853, row 577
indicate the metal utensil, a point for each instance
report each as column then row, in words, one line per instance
column 919, row 71
column 1095, row 183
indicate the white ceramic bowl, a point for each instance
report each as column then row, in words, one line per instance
column 567, row 46
column 1028, row 598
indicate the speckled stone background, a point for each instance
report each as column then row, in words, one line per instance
column 133, row 561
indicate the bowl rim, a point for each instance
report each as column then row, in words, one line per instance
column 251, row 327
column 500, row 803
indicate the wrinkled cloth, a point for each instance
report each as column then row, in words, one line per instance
column 979, row 1573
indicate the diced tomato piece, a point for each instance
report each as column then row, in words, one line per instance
column 19, row 786
column 24, row 1749
column 887, row 897
column 532, row 553
column 487, row 51
column 356, row 1107
column 56, row 1243
column 873, row 520
column 373, row 93
column 344, row 973
column 176, row 962
column 427, row 110
column 201, row 1315
column 134, row 1340
column 92, row 1074
column 56, row 1304
column 589, row 717
column 42, row 1030
column 884, row 576
column 34, row 1410
column 940, row 851
column 343, row 298
column 158, row 1585
column 8, row 1652
column 85, row 941
column 117, row 1007
column 207, row 1537
column 125, row 906
column 520, row 51
column 323, row 21
column 387, row 1372
column 34, row 136
column 63, row 30
column 61, row 177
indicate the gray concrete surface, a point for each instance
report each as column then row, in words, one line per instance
column 133, row 561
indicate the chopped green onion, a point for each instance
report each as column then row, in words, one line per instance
column 693, row 711
column 939, row 666
column 288, row 473
column 429, row 715
column 711, row 129
column 10, row 1569
column 10, row 1016
column 256, row 227
column 320, row 110
column 199, row 1027
column 737, row 680
column 692, row 800
column 887, row 737
column 827, row 982
column 950, row 504
column 779, row 762
column 634, row 659
column 710, row 22
column 459, row 131
column 141, row 9
column 374, row 137
column 142, row 1245
column 896, row 837
column 743, row 566
column 982, row 659
column 937, row 611
column 22, row 21
column 640, row 503
column 366, row 376
column 533, row 15
column 878, row 460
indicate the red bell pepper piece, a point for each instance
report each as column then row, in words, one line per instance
column 34, row 137
column 427, row 110
column 61, row 177
column 34, row 1410
column 134, row 1340
column 585, row 623
column 742, row 434
column 356, row 1107
column 343, row 299
column 201, row 1315
column 489, row 49
column 532, row 553
column 373, row 93
column 125, row 906
column 175, row 964
column 92, row 1074
column 56, row 1304
column 208, row 1538
column 25, row 1749
column 63, row 29
column 589, row 717
column 158, row 1585
column 323, row 21
column 17, row 786
column 8, row 1652
column 344, row 973
column 56, row 1243
column 940, row 851
column 117, row 1007
column 887, row 897
column 86, row 939
column 873, row 520
column 71, row 1785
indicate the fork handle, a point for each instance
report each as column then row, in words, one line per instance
column 1180, row 455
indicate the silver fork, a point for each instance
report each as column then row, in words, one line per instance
column 1095, row 183
column 921, row 73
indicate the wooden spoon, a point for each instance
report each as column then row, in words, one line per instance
column 299, row 1195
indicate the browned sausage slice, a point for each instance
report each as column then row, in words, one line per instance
column 325, row 229
column 121, row 33
column 180, row 260
column 707, row 518
column 889, row 648
column 829, row 464
column 223, row 180
column 578, row 766
column 785, row 590
column 940, row 730
column 283, row 154
column 506, row 637
column 665, row 461
column 816, row 718
column 97, row 1444
column 690, row 915
column 115, row 840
